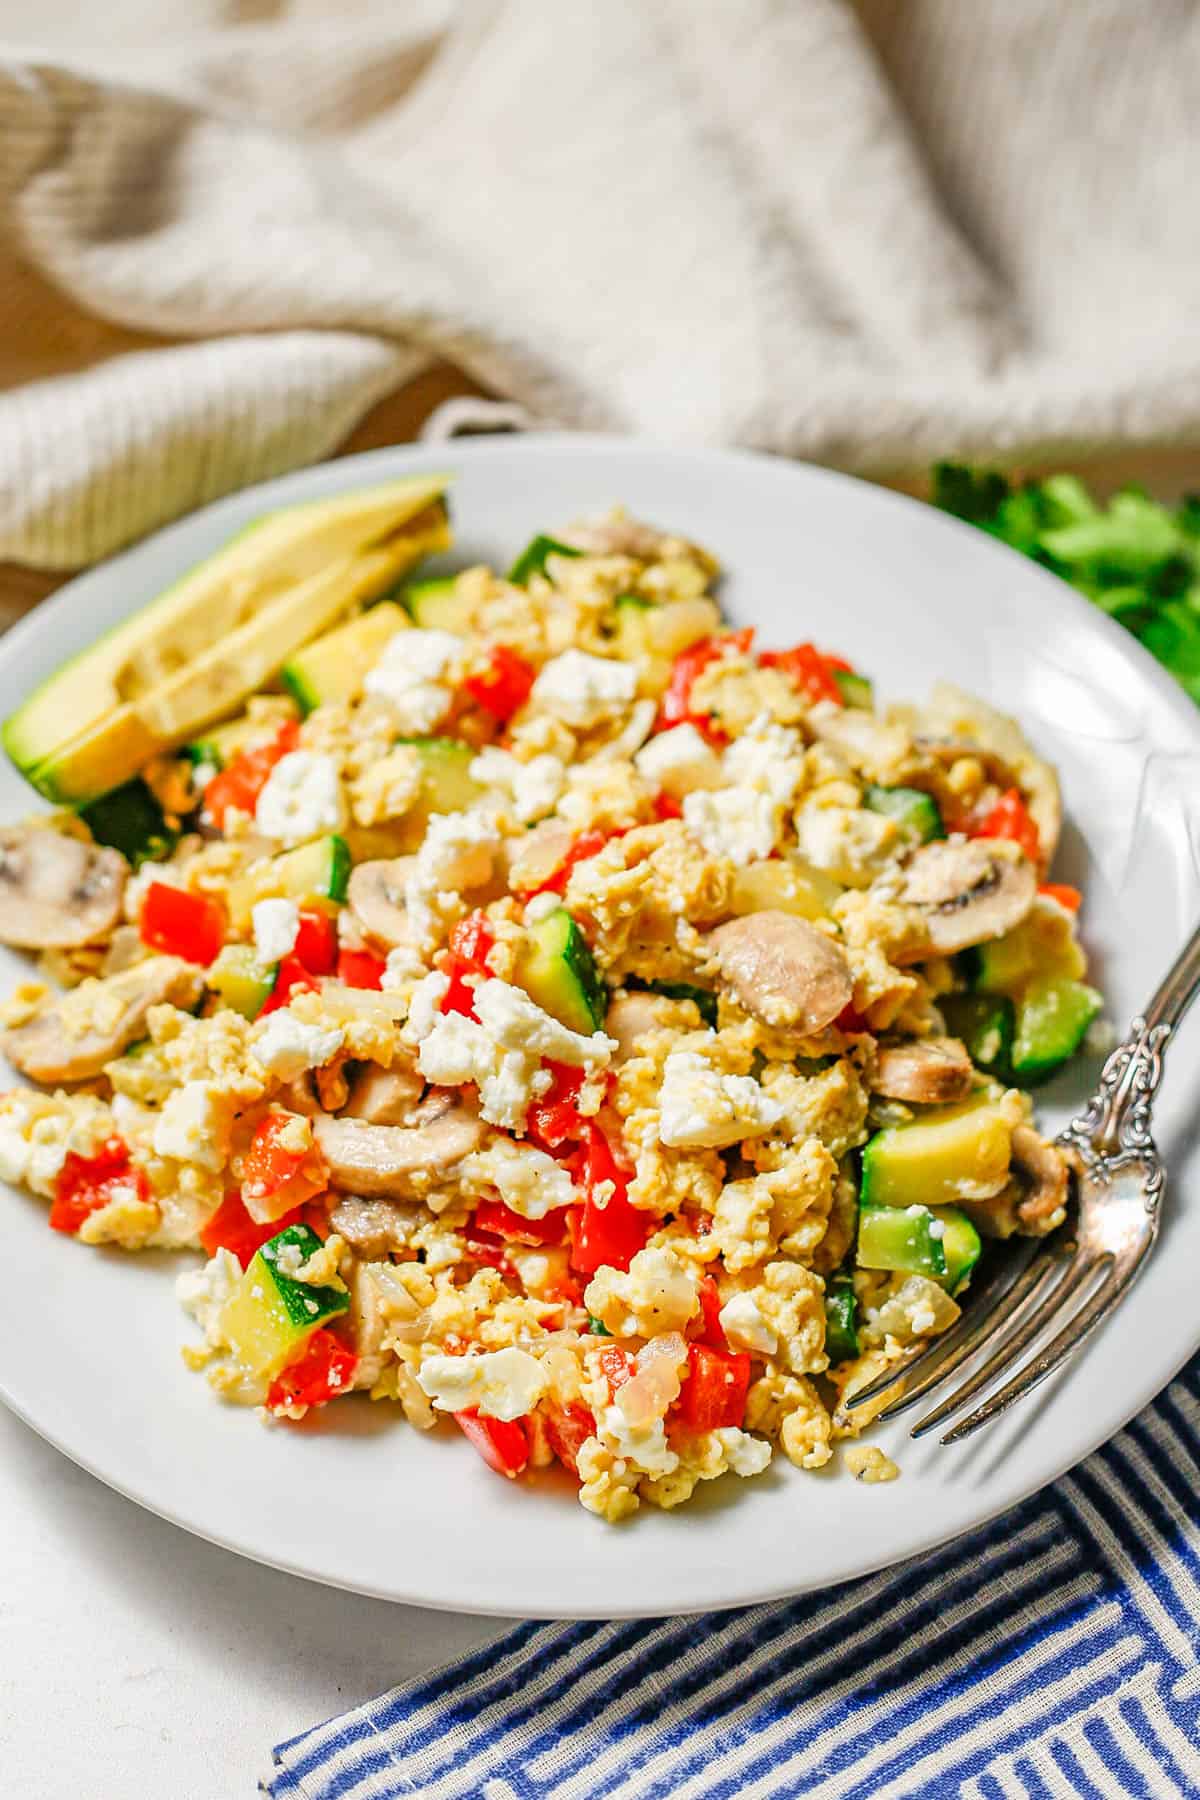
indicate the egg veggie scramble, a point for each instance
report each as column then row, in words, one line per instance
column 544, row 1007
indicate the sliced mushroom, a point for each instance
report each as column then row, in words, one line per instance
column 387, row 1160
column 73, row 1038
column 57, row 891
column 783, row 970
column 382, row 1096
column 616, row 534
column 632, row 1017
column 376, row 897
column 928, row 1071
column 969, row 891
column 367, row 1321
column 374, row 1227
column 1042, row 1170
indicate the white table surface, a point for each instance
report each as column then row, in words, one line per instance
column 139, row 1663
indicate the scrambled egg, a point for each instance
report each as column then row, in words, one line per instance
column 553, row 1120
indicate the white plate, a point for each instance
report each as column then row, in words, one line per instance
column 89, row 1342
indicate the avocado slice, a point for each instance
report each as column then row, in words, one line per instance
column 333, row 667
column 216, row 636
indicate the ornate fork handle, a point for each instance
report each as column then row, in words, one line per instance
column 1117, row 1119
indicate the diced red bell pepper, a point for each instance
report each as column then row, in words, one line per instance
column 231, row 1228
column 1008, row 818
column 502, row 1443
column 710, row 1329
column 555, row 1119
column 470, row 942
column 503, row 687
column 676, row 708
column 291, row 977
column 181, row 923
column 714, row 1389
column 809, row 669
column 240, row 784
column 666, row 806
column 360, row 969
column 498, row 1220
column 316, row 943
column 1070, row 897
column 568, row 1429
column 619, row 1366
column 611, row 1231
column 273, row 1171
column 85, row 1184
column 323, row 1370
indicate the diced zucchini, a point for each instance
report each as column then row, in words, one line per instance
column 221, row 743
column 240, row 981
column 637, row 601
column 269, row 1317
column 841, row 1318
column 937, row 1241
column 917, row 812
column 314, row 875
column 1043, row 947
column 856, row 690
column 961, row 1246
column 703, row 999
column 446, row 781
column 438, row 605
column 333, row 667
column 556, row 968
column 900, row 1239
column 959, row 1153
column 1052, row 1020
column 130, row 820
column 985, row 1023
column 532, row 560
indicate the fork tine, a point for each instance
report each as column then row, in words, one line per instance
column 1078, row 1271
column 1073, row 1333
column 964, row 1338
column 981, row 1304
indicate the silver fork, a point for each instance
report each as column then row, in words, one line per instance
column 1093, row 1259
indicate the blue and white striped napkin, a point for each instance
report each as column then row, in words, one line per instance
column 1054, row 1653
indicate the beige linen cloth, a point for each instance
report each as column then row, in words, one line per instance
column 869, row 235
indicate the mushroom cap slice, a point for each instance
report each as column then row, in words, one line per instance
column 73, row 1037
column 1043, row 1173
column 376, row 898
column 969, row 889
column 927, row 1071
column 374, row 1227
column 395, row 1161
column 57, row 891
column 383, row 1096
column 783, row 970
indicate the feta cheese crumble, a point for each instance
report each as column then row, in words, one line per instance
column 503, row 1384
column 533, row 786
column 700, row 1108
column 409, row 676
column 287, row 1046
column 195, row 1125
column 276, row 924
column 202, row 1293
column 457, row 853
column 645, row 1446
column 527, row 1180
column 745, row 1327
column 302, row 798
column 584, row 690
column 679, row 760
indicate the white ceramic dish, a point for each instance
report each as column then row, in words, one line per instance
column 89, row 1341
